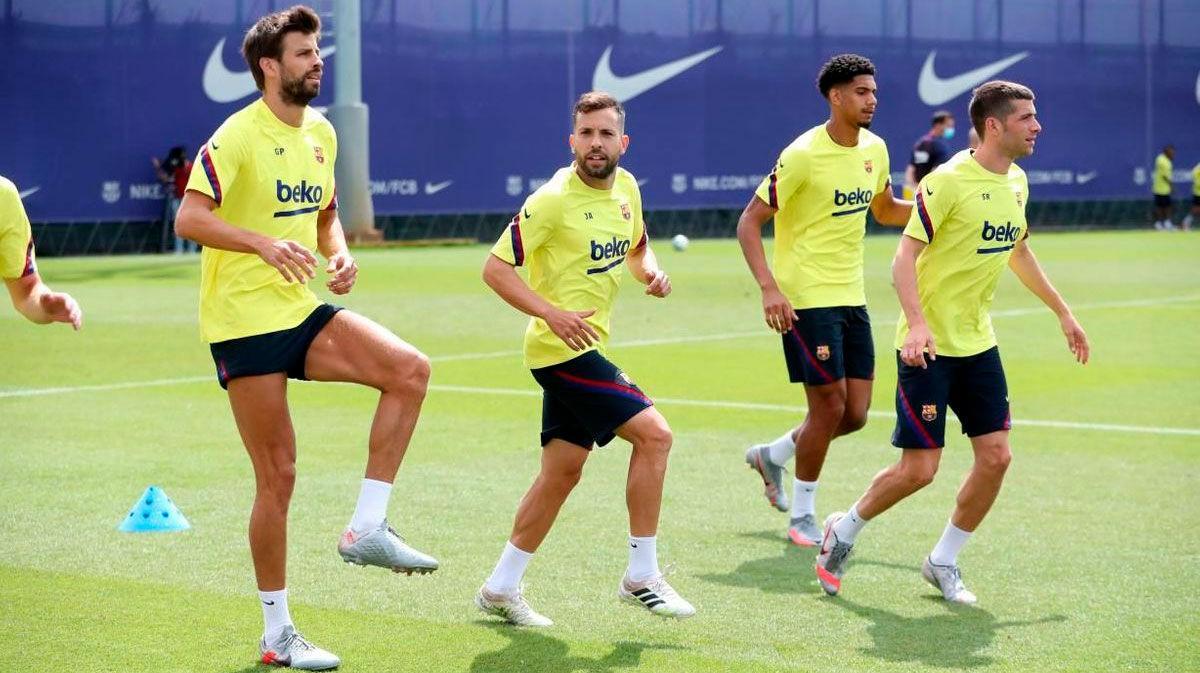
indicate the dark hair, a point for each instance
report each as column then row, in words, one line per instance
column 265, row 37
column 995, row 99
column 842, row 69
column 941, row 116
column 597, row 100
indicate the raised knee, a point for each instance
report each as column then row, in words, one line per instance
column 410, row 375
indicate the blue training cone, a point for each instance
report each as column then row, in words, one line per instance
column 154, row 512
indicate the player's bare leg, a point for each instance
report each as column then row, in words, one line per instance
column 562, row 467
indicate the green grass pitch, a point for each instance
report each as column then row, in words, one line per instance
column 1090, row 560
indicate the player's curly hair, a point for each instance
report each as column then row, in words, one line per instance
column 842, row 69
column 265, row 37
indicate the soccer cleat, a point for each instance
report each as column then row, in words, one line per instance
column 656, row 596
column 383, row 547
column 293, row 650
column 513, row 608
column 803, row 531
column 759, row 459
column 831, row 560
column 948, row 580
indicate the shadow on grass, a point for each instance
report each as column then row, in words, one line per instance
column 951, row 640
column 530, row 650
column 788, row 571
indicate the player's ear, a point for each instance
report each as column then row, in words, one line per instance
column 269, row 65
column 624, row 143
column 571, row 141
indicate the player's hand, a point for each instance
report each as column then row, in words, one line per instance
column 571, row 327
column 658, row 283
column 293, row 261
column 778, row 310
column 918, row 341
column 62, row 307
column 345, row 272
column 1077, row 339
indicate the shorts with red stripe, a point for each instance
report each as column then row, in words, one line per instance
column 973, row 386
column 585, row 399
column 828, row 344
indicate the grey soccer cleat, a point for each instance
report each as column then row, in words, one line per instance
column 948, row 580
column 383, row 547
column 759, row 459
column 831, row 560
column 803, row 531
column 293, row 650
column 513, row 608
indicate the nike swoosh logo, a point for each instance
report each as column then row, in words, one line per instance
column 928, row 191
column 222, row 85
column 28, row 192
column 935, row 90
column 431, row 188
column 268, row 602
column 1084, row 178
column 626, row 88
column 642, row 182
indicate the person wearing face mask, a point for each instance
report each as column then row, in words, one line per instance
column 930, row 151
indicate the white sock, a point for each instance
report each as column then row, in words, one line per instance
column 506, row 577
column 643, row 558
column 372, row 506
column 946, row 551
column 848, row 526
column 275, row 612
column 804, row 497
column 781, row 450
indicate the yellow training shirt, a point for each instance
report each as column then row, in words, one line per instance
column 271, row 178
column 971, row 218
column 1162, row 174
column 821, row 191
column 574, row 239
column 16, row 238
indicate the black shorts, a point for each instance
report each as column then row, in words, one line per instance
column 973, row 386
column 1162, row 200
column 282, row 351
column 585, row 399
column 829, row 344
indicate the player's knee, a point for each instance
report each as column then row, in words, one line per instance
column 410, row 375
column 995, row 458
column 919, row 474
column 829, row 408
column 279, row 484
column 655, row 442
column 854, row 420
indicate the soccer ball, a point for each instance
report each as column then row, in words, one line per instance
column 680, row 242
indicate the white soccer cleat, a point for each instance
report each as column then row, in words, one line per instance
column 656, row 596
column 948, row 580
column 293, row 650
column 383, row 547
column 513, row 608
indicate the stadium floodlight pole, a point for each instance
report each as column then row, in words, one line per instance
column 350, row 118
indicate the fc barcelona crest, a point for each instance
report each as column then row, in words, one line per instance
column 318, row 154
column 822, row 353
column 929, row 412
column 868, row 166
column 626, row 212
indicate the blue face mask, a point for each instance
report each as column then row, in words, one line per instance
column 948, row 133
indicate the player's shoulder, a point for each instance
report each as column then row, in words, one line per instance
column 318, row 122
column 805, row 142
column 626, row 181
column 550, row 194
column 8, row 189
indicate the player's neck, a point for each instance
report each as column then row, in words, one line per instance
column 292, row 115
column 993, row 159
column 842, row 132
column 604, row 184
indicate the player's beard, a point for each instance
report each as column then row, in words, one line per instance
column 601, row 173
column 298, row 91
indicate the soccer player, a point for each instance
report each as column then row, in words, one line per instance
column 261, row 198
column 1163, row 168
column 818, row 193
column 1187, row 221
column 29, row 294
column 575, row 233
column 930, row 150
column 968, row 224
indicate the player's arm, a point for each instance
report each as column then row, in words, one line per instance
column 1024, row 263
column 331, row 241
column 570, row 326
column 197, row 221
column 777, row 310
column 904, row 278
column 643, row 264
column 890, row 210
column 37, row 302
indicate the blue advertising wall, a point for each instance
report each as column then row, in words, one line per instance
column 470, row 99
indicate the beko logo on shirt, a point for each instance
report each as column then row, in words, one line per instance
column 1003, row 233
column 301, row 193
column 609, row 249
column 858, row 197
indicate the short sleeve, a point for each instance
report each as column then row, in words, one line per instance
column 883, row 170
column 16, row 237
column 528, row 230
column 931, row 208
column 217, row 165
column 331, row 203
column 640, row 236
column 786, row 177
